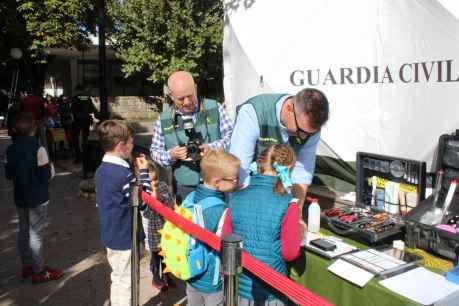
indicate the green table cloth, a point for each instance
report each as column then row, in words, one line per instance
column 311, row 272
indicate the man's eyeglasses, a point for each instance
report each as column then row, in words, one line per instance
column 300, row 133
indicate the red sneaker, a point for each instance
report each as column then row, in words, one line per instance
column 27, row 271
column 46, row 275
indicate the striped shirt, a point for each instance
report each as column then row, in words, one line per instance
column 114, row 180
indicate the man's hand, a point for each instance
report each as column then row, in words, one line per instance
column 204, row 149
column 178, row 153
column 141, row 162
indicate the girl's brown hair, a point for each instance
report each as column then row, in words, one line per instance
column 280, row 154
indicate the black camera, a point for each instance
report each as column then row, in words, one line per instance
column 194, row 138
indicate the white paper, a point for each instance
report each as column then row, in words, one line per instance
column 341, row 247
column 350, row 272
column 421, row 285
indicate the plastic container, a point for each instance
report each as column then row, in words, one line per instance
column 314, row 216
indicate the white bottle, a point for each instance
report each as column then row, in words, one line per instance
column 314, row 217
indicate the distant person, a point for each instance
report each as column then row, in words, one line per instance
column 66, row 117
column 189, row 118
column 266, row 216
column 114, row 179
column 82, row 108
column 13, row 111
column 51, row 112
column 35, row 105
column 270, row 119
column 3, row 106
column 29, row 168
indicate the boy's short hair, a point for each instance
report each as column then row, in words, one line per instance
column 24, row 124
column 218, row 163
column 112, row 132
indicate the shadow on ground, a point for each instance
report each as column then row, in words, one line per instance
column 72, row 244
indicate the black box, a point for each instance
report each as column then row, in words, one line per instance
column 374, row 220
column 429, row 237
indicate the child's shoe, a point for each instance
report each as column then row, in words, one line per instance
column 26, row 272
column 157, row 282
column 168, row 280
column 46, row 275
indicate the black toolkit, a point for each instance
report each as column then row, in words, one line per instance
column 387, row 187
column 434, row 224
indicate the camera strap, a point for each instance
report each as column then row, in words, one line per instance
column 174, row 124
column 201, row 109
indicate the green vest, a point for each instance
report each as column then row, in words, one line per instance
column 265, row 108
column 207, row 124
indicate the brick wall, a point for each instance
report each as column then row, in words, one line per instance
column 132, row 107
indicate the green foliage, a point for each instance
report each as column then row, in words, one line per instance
column 12, row 29
column 160, row 36
column 58, row 23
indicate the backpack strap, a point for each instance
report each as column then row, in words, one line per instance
column 217, row 258
column 211, row 202
column 203, row 205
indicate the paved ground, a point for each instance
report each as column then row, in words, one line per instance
column 73, row 244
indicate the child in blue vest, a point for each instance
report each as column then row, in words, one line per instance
column 266, row 217
column 28, row 166
column 114, row 179
column 220, row 173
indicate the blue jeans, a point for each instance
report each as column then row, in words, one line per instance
column 32, row 223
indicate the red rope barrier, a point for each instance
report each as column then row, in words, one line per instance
column 292, row 290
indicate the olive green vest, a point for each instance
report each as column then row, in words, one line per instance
column 265, row 108
column 207, row 124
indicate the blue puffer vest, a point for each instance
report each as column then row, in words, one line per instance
column 203, row 283
column 256, row 216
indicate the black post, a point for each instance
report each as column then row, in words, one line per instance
column 231, row 261
column 102, row 62
column 135, row 252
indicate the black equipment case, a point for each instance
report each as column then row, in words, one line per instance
column 373, row 219
column 429, row 237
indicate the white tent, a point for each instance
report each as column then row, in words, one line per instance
column 390, row 68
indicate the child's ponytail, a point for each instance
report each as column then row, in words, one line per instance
column 283, row 156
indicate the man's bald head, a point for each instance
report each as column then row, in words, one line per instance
column 180, row 79
column 182, row 91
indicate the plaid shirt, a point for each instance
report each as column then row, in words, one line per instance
column 158, row 148
column 152, row 222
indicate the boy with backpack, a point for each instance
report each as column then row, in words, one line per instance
column 220, row 173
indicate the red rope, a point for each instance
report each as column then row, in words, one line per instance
column 292, row 290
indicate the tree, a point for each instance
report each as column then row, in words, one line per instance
column 13, row 34
column 58, row 23
column 157, row 37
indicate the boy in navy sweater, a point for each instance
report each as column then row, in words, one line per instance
column 114, row 178
column 28, row 167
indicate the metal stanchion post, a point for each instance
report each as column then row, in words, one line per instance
column 231, row 261
column 135, row 258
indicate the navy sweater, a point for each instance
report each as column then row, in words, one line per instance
column 113, row 182
column 31, row 182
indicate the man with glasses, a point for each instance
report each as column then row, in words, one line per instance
column 210, row 123
column 269, row 119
